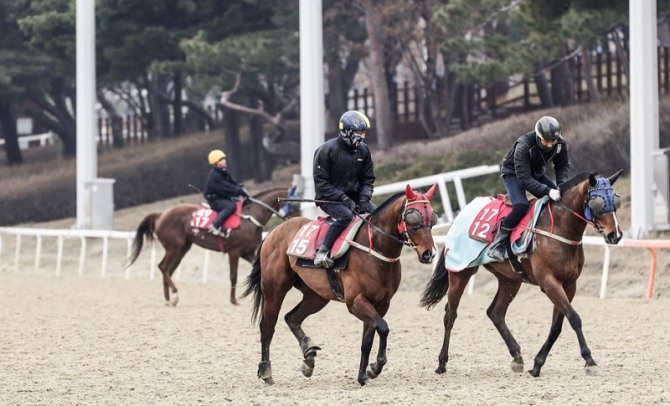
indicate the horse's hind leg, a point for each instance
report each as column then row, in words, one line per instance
column 168, row 265
column 273, row 299
column 233, row 262
column 310, row 304
column 507, row 290
column 457, row 283
column 562, row 296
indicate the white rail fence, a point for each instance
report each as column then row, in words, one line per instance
column 106, row 237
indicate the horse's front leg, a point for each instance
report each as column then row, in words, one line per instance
column 562, row 297
column 372, row 322
column 376, row 367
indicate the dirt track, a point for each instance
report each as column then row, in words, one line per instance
column 86, row 340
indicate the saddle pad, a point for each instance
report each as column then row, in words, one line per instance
column 204, row 216
column 310, row 236
column 462, row 251
column 488, row 220
column 521, row 237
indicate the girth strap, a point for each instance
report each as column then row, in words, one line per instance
column 334, row 284
column 516, row 265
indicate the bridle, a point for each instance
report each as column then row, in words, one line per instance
column 600, row 199
column 411, row 218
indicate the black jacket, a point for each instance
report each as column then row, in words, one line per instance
column 221, row 185
column 341, row 170
column 527, row 161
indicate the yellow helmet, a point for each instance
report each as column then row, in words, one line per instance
column 215, row 156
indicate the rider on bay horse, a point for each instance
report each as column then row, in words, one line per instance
column 343, row 176
column 221, row 190
column 523, row 170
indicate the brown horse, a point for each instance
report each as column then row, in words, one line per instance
column 370, row 280
column 174, row 231
column 554, row 265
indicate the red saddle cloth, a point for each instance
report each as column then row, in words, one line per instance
column 310, row 236
column 204, row 216
column 487, row 222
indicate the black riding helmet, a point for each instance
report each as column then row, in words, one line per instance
column 353, row 121
column 548, row 129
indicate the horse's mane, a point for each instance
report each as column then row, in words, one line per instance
column 573, row 181
column 388, row 202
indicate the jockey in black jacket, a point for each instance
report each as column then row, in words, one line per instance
column 343, row 172
column 523, row 170
column 221, row 189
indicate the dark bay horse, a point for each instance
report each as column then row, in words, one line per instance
column 554, row 266
column 175, row 233
column 370, row 280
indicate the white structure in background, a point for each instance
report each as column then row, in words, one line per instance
column 312, row 96
column 95, row 200
column 643, row 87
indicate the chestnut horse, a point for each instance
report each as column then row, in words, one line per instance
column 554, row 265
column 175, row 233
column 370, row 280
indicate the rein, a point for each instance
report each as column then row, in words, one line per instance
column 402, row 230
column 551, row 234
column 265, row 205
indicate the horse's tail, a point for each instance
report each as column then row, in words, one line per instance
column 437, row 286
column 145, row 229
column 254, row 285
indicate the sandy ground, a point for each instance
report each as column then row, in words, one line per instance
column 72, row 339
column 90, row 339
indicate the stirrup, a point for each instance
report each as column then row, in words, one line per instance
column 498, row 252
column 215, row 230
column 323, row 260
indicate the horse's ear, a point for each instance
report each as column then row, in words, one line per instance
column 409, row 192
column 431, row 191
column 614, row 177
column 592, row 179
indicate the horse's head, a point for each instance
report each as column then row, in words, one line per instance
column 600, row 206
column 417, row 221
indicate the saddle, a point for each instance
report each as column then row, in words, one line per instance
column 487, row 222
column 311, row 235
column 204, row 216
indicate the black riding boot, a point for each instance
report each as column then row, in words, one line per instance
column 322, row 257
column 497, row 250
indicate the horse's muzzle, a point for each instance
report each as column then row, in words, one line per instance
column 427, row 257
column 613, row 237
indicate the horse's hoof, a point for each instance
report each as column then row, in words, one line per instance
column 534, row 373
column 440, row 370
column 306, row 369
column 592, row 370
column 363, row 380
column 235, row 302
column 174, row 300
column 167, row 303
column 371, row 371
column 516, row 367
column 269, row 381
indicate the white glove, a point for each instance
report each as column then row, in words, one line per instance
column 555, row 195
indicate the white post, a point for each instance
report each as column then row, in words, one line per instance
column 643, row 112
column 312, row 109
column 86, row 98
